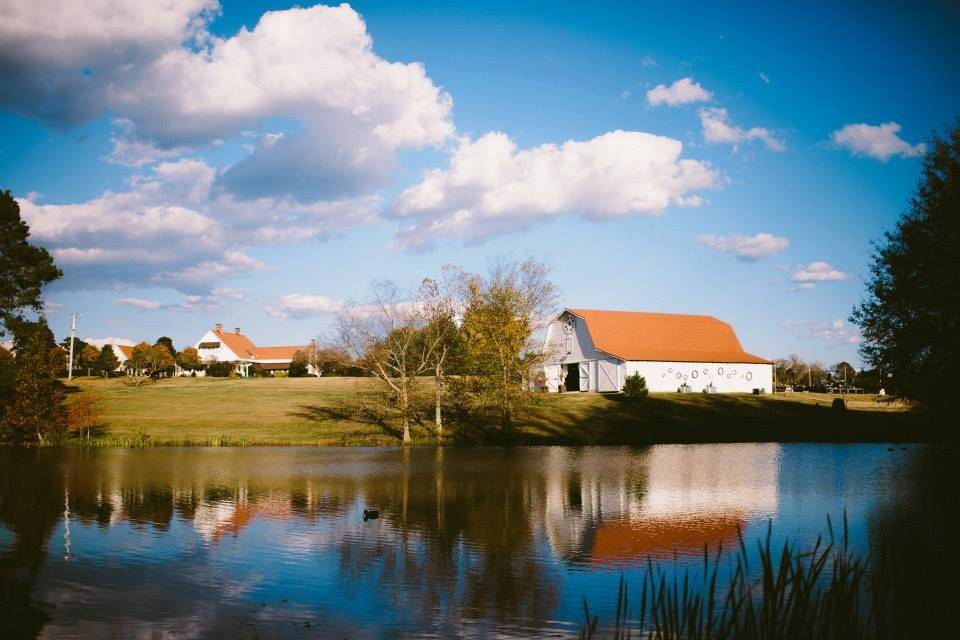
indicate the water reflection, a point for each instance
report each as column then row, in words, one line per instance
column 272, row 541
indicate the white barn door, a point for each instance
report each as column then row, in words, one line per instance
column 585, row 376
column 607, row 376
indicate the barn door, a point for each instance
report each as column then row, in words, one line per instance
column 584, row 376
column 606, row 374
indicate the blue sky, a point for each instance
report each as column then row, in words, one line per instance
column 191, row 164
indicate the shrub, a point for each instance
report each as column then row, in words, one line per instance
column 219, row 369
column 635, row 387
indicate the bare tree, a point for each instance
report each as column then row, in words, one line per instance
column 386, row 336
column 439, row 301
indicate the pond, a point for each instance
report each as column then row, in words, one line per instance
column 272, row 542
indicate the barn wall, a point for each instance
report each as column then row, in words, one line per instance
column 726, row 377
column 602, row 367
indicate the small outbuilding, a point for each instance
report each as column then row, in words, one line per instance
column 595, row 350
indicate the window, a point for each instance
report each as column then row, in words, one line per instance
column 209, row 345
column 569, row 342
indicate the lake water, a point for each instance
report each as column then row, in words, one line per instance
column 272, row 542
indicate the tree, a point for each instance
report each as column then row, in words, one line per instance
column 85, row 412
column 844, row 375
column 78, row 347
column 385, row 337
column 24, row 268
column 107, row 361
column 139, row 363
column 161, row 358
column 299, row 365
column 635, row 387
column 502, row 316
column 438, row 301
column 37, row 411
column 8, row 380
column 168, row 343
column 189, row 359
column 910, row 315
column 88, row 358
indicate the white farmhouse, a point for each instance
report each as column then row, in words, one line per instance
column 594, row 350
column 218, row 345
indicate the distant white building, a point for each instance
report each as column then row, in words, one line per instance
column 218, row 345
column 595, row 350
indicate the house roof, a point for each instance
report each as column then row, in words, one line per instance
column 237, row 342
column 669, row 337
column 125, row 349
column 276, row 353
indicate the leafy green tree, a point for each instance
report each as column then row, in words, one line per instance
column 8, row 380
column 107, row 361
column 37, row 412
column 24, row 268
column 635, row 387
column 910, row 316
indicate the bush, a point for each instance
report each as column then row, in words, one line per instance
column 635, row 387
column 219, row 369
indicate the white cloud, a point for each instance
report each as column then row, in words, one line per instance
column 836, row 331
column 625, row 94
column 746, row 248
column 172, row 227
column 880, row 142
column 718, row 129
column 764, row 77
column 648, row 61
column 299, row 305
column 817, row 272
column 490, row 186
column 173, row 86
column 683, row 91
column 217, row 299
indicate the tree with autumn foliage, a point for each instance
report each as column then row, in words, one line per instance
column 37, row 413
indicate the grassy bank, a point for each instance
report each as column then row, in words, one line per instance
column 308, row 411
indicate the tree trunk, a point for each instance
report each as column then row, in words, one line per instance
column 405, row 412
column 438, row 418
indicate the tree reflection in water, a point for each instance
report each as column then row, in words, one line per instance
column 246, row 541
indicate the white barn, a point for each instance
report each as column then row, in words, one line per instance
column 595, row 350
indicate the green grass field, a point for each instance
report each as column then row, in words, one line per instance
column 310, row 411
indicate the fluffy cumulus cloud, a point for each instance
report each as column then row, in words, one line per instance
column 171, row 227
column 683, row 91
column 174, row 87
column 491, row 186
column 881, row 142
column 806, row 278
column 746, row 248
column 717, row 128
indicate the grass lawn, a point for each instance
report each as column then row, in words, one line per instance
column 309, row 411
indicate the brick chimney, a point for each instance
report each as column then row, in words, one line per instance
column 218, row 327
column 237, row 330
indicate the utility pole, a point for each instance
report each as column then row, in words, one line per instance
column 73, row 338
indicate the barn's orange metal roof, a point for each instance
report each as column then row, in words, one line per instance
column 276, row 353
column 667, row 337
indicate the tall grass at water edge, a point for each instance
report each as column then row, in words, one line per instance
column 828, row 592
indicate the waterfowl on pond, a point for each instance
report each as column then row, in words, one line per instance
column 370, row 514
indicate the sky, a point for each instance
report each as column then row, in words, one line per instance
column 260, row 164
